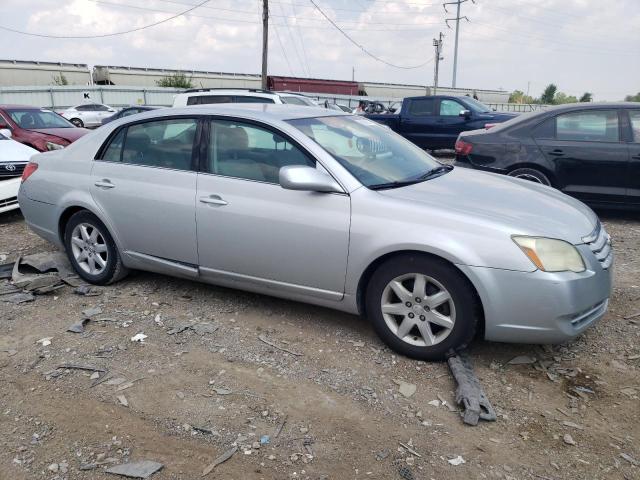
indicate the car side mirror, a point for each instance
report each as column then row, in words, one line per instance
column 5, row 131
column 465, row 113
column 309, row 179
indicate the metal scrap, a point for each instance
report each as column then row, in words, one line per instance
column 469, row 393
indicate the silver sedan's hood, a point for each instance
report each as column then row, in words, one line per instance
column 522, row 206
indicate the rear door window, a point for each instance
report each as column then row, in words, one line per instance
column 242, row 99
column 588, row 126
column 209, row 99
column 164, row 144
column 422, row 107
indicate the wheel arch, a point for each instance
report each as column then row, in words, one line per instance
column 371, row 268
column 536, row 166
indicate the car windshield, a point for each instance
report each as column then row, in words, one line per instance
column 476, row 106
column 32, row 119
column 374, row 154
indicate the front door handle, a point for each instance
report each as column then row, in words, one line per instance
column 104, row 183
column 556, row 153
column 213, row 200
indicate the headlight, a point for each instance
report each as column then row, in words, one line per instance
column 551, row 255
column 53, row 146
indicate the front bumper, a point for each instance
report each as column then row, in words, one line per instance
column 9, row 194
column 542, row 307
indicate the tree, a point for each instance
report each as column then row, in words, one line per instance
column 175, row 80
column 562, row 98
column 60, row 79
column 519, row 96
column 632, row 98
column 548, row 96
column 586, row 97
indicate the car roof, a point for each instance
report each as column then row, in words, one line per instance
column 255, row 111
column 583, row 105
column 229, row 91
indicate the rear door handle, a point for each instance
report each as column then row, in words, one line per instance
column 104, row 183
column 556, row 153
column 213, row 200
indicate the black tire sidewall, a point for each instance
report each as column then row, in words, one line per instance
column 462, row 293
column 544, row 179
column 112, row 259
column 77, row 122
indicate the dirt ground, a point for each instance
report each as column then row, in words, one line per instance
column 192, row 395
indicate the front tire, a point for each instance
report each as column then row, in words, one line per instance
column 77, row 122
column 531, row 174
column 422, row 307
column 91, row 249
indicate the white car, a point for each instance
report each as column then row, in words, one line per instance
column 88, row 114
column 13, row 158
column 207, row 96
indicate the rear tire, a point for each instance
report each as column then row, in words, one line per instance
column 531, row 174
column 77, row 122
column 91, row 249
column 430, row 308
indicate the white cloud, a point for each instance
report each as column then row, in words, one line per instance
column 578, row 44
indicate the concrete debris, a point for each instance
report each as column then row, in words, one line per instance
column 457, row 461
column 434, row 403
column 406, row 389
column 264, row 339
column 91, row 312
column 382, row 454
column 522, row 360
column 469, row 393
column 138, row 337
column 142, row 469
column 122, row 400
column 221, row 459
column 45, row 342
column 222, row 390
column 78, row 327
column 18, row 298
column 86, row 290
column 573, row 425
column 568, row 439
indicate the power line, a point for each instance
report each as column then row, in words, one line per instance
column 41, row 35
column 295, row 48
column 304, row 48
column 346, row 35
column 284, row 53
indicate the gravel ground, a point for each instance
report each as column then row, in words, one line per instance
column 183, row 398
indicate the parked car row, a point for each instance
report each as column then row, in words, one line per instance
column 359, row 219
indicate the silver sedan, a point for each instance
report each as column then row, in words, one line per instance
column 330, row 209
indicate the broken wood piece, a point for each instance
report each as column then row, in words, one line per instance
column 221, row 459
column 272, row 344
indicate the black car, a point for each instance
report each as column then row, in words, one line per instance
column 126, row 111
column 589, row 151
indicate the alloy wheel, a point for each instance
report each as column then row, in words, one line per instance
column 418, row 309
column 89, row 248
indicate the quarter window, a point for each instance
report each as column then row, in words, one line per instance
column 165, row 144
column 590, row 126
column 421, row 107
column 634, row 115
column 252, row 100
column 450, row 108
column 250, row 152
column 207, row 99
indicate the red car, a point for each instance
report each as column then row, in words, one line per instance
column 38, row 128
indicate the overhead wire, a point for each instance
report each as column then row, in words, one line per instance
column 104, row 35
column 362, row 48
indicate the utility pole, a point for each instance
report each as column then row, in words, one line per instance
column 457, row 19
column 265, row 41
column 437, row 43
column 353, row 74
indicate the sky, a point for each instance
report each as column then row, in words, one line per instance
column 580, row 45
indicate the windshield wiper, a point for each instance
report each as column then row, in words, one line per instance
column 434, row 172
